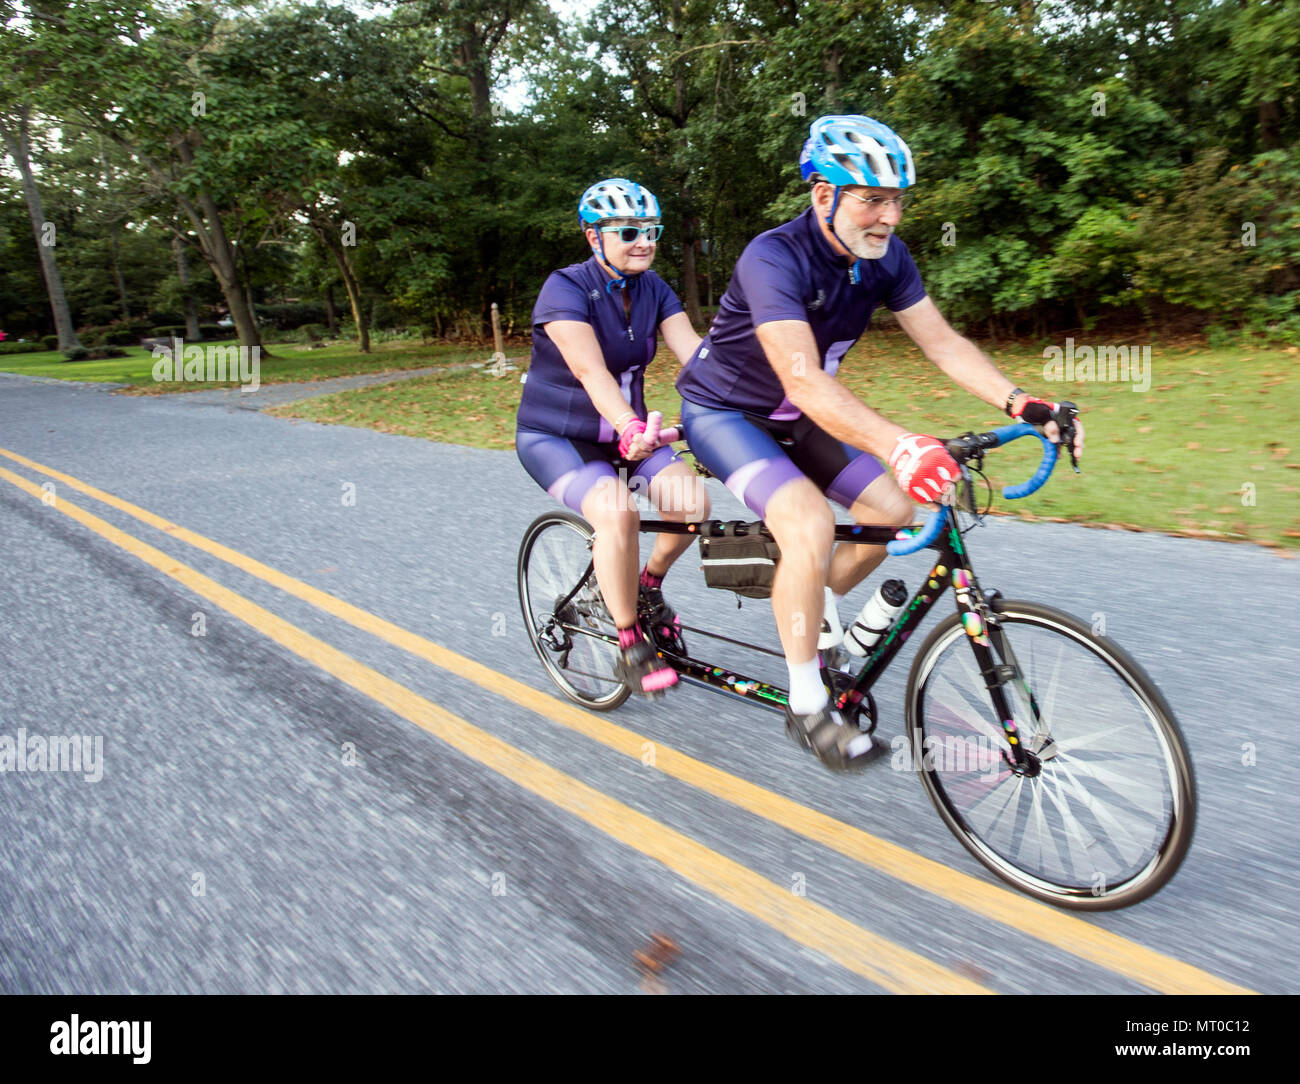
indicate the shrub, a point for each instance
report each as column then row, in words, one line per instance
column 24, row 348
column 163, row 330
column 387, row 316
column 50, row 342
column 166, row 318
column 77, row 353
column 91, row 337
column 275, row 335
column 100, row 314
column 216, row 331
column 291, row 315
column 121, row 336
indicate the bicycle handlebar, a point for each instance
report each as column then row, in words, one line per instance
column 654, row 435
column 963, row 448
column 1008, row 433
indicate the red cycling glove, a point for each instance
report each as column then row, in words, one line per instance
column 1034, row 411
column 923, row 467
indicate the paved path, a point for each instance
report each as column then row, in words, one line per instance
column 418, row 868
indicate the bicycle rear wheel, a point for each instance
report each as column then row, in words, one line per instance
column 1107, row 814
column 578, row 644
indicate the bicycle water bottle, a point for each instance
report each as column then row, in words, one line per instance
column 876, row 617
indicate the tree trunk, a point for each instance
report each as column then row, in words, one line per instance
column 1270, row 121
column 690, row 283
column 192, row 331
column 349, row 284
column 831, row 62
column 15, row 142
column 218, row 253
column 112, row 237
column 331, row 311
column 117, row 272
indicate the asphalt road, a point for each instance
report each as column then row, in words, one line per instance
column 264, row 823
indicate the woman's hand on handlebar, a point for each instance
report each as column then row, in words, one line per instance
column 640, row 439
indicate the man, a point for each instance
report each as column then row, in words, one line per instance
column 763, row 411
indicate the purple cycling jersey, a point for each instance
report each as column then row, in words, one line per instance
column 791, row 273
column 554, row 400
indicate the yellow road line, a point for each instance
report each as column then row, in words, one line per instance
column 1066, row 932
column 891, row 966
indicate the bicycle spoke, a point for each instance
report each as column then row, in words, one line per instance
column 1095, row 812
column 555, row 559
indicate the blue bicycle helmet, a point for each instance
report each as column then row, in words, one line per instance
column 616, row 198
column 856, row 150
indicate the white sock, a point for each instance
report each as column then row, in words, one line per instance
column 807, row 693
column 832, row 632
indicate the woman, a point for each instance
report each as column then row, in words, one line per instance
column 582, row 419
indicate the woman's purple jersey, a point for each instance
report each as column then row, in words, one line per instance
column 554, row 400
column 790, row 273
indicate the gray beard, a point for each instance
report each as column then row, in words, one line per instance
column 883, row 250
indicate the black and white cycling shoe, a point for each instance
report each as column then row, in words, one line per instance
column 659, row 619
column 839, row 745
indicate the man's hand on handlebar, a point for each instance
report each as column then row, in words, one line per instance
column 923, row 467
column 1055, row 418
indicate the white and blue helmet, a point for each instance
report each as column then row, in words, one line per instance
column 856, row 150
column 616, row 197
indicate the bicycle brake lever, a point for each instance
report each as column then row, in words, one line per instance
column 1067, row 435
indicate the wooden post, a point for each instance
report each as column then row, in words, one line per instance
column 496, row 333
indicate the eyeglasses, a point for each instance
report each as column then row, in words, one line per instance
column 878, row 203
column 629, row 234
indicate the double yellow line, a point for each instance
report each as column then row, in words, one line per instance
column 894, row 968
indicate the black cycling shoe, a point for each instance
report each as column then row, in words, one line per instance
column 839, row 745
column 644, row 671
column 659, row 618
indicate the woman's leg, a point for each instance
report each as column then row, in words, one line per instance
column 579, row 475
column 679, row 494
column 609, row 508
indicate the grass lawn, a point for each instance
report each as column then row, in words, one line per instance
column 1206, row 450
column 291, row 363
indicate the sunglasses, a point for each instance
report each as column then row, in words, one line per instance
column 629, row 234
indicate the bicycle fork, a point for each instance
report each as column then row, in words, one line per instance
column 989, row 643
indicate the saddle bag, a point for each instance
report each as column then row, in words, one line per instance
column 738, row 558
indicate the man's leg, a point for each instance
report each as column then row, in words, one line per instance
column 803, row 525
column 882, row 502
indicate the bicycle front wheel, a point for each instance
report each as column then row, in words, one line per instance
column 577, row 642
column 1106, row 812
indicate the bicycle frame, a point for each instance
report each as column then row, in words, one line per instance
column 952, row 568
